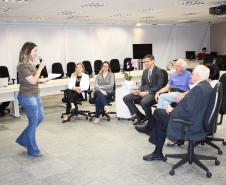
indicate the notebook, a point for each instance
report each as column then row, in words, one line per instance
column 4, row 82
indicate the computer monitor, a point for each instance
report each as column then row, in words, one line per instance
column 140, row 50
column 190, row 55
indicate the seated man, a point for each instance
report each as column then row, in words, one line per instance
column 202, row 54
column 152, row 80
column 179, row 82
column 191, row 108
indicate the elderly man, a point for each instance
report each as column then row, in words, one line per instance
column 191, row 108
column 179, row 82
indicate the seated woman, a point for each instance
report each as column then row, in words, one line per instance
column 78, row 83
column 104, row 83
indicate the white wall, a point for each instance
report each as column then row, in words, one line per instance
column 64, row 43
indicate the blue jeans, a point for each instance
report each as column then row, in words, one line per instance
column 166, row 99
column 33, row 108
column 100, row 102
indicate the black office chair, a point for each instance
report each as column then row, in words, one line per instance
column 109, row 103
column 221, row 61
column 44, row 72
column 97, row 66
column 127, row 64
column 70, row 68
column 4, row 73
column 88, row 67
column 115, row 65
column 208, row 59
column 58, row 68
column 223, row 104
column 209, row 125
column 77, row 111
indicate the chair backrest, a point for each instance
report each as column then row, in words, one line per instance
column 223, row 103
column 115, row 65
column 212, row 111
column 165, row 74
column 44, row 72
column 208, row 59
column 97, row 66
column 58, row 68
column 88, row 67
column 70, row 68
column 127, row 64
column 4, row 72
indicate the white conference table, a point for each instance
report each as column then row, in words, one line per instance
column 53, row 87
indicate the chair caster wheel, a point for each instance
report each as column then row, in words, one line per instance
column 220, row 152
column 171, row 172
column 208, row 174
column 165, row 159
column 224, row 143
column 118, row 118
column 87, row 117
column 90, row 119
column 108, row 119
column 217, row 162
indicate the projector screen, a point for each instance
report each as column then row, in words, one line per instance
column 140, row 50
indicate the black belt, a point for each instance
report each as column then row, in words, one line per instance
column 176, row 90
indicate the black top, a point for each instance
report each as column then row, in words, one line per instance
column 77, row 82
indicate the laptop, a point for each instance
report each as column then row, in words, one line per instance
column 4, row 82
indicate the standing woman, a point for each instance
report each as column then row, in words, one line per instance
column 104, row 83
column 79, row 82
column 28, row 96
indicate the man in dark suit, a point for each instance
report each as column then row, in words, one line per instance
column 152, row 80
column 192, row 108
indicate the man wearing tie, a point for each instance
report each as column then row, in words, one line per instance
column 152, row 81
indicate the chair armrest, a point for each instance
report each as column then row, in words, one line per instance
column 183, row 122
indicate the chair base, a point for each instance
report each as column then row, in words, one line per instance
column 107, row 115
column 209, row 142
column 190, row 157
column 77, row 113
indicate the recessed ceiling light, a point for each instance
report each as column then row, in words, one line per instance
column 151, row 10
column 192, row 14
column 120, row 15
column 67, row 13
column 148, row 17
column 93, row 5
column 5, row 9
column 138, row 24
column 183, row 20
column 15, row 1
column 190, row 3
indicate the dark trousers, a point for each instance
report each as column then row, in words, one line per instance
column 100, row 102
column 72, row 97
column 159, row 124
column 146, row 102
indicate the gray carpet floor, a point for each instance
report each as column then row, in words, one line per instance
column 83, row 153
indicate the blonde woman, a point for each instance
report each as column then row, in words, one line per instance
column 28, row 96
column 79, row 82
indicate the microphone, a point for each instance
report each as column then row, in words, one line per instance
column 40, row 59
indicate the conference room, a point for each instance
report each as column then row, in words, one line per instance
column 45, row 138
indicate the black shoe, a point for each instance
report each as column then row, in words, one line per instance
column 146, row 118
column 153, row 156
column 143, row 128
column 139, row 119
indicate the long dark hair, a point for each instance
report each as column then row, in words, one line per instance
column 25, row 52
